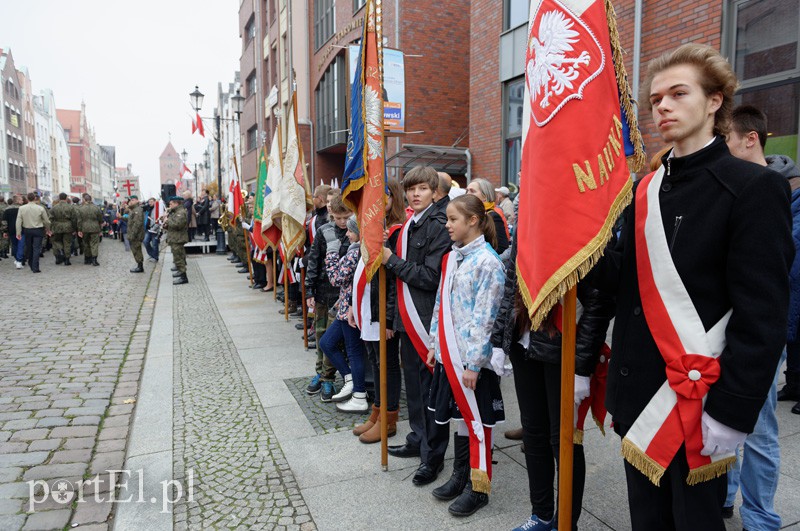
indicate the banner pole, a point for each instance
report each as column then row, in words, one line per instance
column 242, row 211
column 382, row 369
column 285, row 290
column 305, row 306
column 275, row 274
column 566, row 443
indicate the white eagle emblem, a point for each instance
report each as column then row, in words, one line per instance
column 555, row 71
column 374, row 122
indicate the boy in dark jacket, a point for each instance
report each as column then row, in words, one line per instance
column 417, row 263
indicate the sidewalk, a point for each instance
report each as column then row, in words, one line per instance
column 263, row 454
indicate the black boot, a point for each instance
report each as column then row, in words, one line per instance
column 233, row 258
column 66, row 260
column 796, row 409
column 59, row 257
column 458, row 480
column 138, row 269
column 94, row 261
column 790, row 391
column 176, row 274
column 468, row 502
column 87, row 260
column 173, row 268
column 180, row 279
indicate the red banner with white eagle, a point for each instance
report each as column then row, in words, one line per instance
column 574, row 178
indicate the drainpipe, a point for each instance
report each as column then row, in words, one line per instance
column 637, row 46
column 313, row 153
column 469, row 165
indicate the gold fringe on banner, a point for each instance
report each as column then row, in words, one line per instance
column 481, row 481
column 577, row 437
column 568, row 275
column 642, row 462
column 637, row 161
column 599, row 424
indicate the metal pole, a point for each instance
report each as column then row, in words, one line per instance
column 221, row 246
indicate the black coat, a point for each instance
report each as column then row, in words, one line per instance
column 728, row 225
column 590, row 332
column 391, row 291
column 428, row 241
column 317, row 283
column 201, row 208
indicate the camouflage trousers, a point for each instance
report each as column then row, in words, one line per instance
column 136, row 249
column 62, row 242
column 91, row 244
column 321, row 322
column 179, row 256
column 3, row 244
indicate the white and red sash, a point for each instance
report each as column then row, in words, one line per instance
column 312, row 230
column 408, row 311
column 361, row 294
column 480, row 436
column 286, row 267
column 673, row 416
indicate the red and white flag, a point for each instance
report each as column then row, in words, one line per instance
column 197, row 125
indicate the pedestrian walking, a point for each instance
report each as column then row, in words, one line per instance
column 64, row 224
column 3, row 228
column 17, row 244
column 33, row 222
column 152, row 229
column 90, row 223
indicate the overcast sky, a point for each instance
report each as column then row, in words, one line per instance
column 134, row 63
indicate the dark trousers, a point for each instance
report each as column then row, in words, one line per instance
column 793, row 356
column 33, row 246
column 538, row 387
column 674, row 505
column 393, row 381
column 259, row 273
column 429, row 437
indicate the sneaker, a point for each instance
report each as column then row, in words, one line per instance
column 315, row 385
column 356, row 404
column 327, row 391
column 346, row 391
column 18, row 265
column 534, row 524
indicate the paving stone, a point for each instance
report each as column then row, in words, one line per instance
column 30, row 435
column 61, row 471
column 91, row 511
column 71, row 456
column 45, row 444
column 13, row 447
column 78, row 443
column 23, row 459
column 9, row 474
column 41, row 520
column 74, row 431
column 51, row 422
column 10, row 506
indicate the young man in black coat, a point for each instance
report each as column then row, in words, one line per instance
column 724, row 233
column 420, row 270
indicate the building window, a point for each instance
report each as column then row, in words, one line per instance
column 358, row 4
column 513, row 98
column 250, row 31
column 324, row 22
column 251, row 85
column 331, row 106
column 763, row 38
column 515, row 13
column 252, row 138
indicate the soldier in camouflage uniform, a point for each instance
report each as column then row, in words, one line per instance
column 136, row 232
column 3, row 228
column 90, row 223
column 64, row 223
column 177, row 236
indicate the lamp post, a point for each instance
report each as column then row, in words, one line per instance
column 196, row 98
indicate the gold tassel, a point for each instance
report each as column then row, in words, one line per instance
column 579, row 266
column 599, row 424
column 577, row 437
column 481, row 481
column 642, row 462
column 637, row 161
column 709, row 471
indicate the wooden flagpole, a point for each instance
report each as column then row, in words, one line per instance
column 242, row 211
column 566, row 443
column 275, row 273
column 286, row 287
column 303, row 302
column 382, row 369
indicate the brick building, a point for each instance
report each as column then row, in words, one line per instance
column 759, row 38
column 81, row 142
column 12, row 178
column 170, row 165
column 436, row 51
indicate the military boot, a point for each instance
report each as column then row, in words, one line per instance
column 59, row 257
column 94, row 261
column 138, row 269
column 181, row 279
column 176, row 274
column 87, row 260
column 66, row 260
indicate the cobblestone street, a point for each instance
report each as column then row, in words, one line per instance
column 70, row 362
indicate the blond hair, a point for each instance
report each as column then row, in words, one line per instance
column 715, row 74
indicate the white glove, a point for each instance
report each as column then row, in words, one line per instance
column 718, row 438
column 499, row 362
column 246, row 225
column 581, row 388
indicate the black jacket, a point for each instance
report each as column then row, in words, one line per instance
column 500, row 230
column 728, row 225
column 391, row 291
column 322, row 219
column 428, row 241
column 317, row 283
column 590, row 332
column 201, row 208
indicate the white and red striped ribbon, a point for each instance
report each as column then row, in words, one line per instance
column 408, row 311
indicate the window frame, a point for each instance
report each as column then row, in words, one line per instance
column 505, row 176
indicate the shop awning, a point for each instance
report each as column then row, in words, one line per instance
column 452, row 160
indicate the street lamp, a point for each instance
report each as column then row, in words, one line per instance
column 196, row 99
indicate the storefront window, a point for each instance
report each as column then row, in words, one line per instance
column 513, row 96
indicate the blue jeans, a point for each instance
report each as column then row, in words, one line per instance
column 151, row 244
column 760, row 468
column 336, row 332
column 18, row 248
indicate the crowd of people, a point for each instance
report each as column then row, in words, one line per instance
column 690, row 313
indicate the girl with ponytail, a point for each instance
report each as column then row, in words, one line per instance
column 465, row 387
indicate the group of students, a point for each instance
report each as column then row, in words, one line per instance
column 697, row 281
